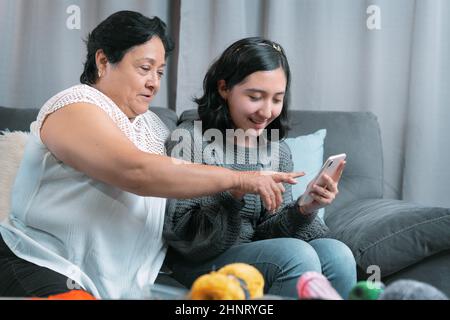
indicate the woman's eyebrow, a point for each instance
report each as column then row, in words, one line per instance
column 254, row 90
column 150, row 60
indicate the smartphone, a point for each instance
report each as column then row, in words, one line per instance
column 329, row 167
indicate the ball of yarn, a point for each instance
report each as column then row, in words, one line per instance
column 236, row 281
column 253, row 279
column 69, row 295
column 366, row 290
column 408, row 289
column 313, row 285
column 217, row 286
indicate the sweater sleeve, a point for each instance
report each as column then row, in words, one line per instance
column 201, row 228
column 288, row 221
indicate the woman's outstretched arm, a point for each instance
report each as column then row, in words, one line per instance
column 85, row 138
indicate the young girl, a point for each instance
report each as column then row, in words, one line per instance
column 247, row 90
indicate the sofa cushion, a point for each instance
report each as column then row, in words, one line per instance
column 391, row 234
column 307, row 156
column 12, row 146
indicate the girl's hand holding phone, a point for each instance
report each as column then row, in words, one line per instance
column 322, row 192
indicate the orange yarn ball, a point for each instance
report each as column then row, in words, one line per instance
column 69, row 295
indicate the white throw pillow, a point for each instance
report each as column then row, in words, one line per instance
column 12, row 145
column 307, row 155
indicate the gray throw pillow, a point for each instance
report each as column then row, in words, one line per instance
column 391, row 234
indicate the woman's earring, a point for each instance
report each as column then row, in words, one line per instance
column 99, row 74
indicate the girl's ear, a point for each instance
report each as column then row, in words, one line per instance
column 222, row 89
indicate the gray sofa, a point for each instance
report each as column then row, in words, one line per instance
column 399, row 239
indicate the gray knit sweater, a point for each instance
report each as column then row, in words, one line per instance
column 201, row 228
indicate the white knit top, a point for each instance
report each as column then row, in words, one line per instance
column 106, row 239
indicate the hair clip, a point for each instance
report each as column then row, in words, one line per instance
column 276, row 47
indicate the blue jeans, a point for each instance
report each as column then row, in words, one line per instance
column 282, row 261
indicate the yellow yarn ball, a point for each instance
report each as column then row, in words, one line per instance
column 249, row 274
column 216, row 286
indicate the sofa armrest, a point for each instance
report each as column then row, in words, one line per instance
column 391, row 234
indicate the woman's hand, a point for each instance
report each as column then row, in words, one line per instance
column 267, row 184
column 323, row 196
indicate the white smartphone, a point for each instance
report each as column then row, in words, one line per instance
column 329, row 167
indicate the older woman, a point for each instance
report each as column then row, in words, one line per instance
column 89, row 198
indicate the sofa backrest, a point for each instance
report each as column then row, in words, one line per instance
column 15, row 119
column 358, row 135
column 355, row 133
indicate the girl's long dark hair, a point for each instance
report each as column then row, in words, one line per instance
column 238, row 61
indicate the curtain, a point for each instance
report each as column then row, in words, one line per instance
column 396, row 67
column 427, row 144
column 43, row 50
column 387, row 57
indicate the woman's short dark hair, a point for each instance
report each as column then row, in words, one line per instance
column 238, row 61
column 119, row 33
